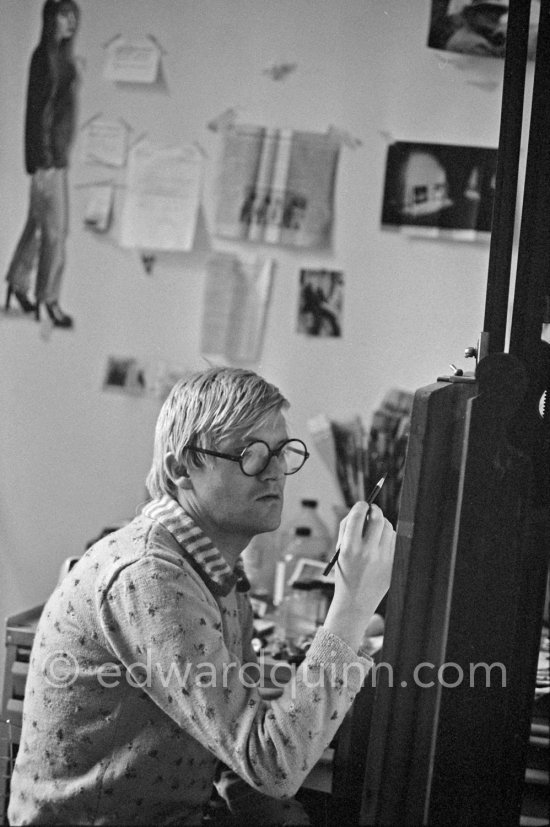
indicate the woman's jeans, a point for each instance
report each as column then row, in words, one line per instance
column 43, row 238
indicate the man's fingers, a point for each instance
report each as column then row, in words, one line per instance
column 353, row 527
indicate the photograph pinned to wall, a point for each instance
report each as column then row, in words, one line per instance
column 132, row 60
column 476, row 27
column 321, row 302
column 439, row 189
column 104, row 142
column 125, row 375
column 276, row 186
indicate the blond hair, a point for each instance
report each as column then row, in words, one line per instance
column 202, row 410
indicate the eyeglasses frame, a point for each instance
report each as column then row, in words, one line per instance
column 239, row 458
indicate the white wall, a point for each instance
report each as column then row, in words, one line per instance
column 73, row 458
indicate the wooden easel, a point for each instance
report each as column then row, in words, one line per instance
column 465, row 604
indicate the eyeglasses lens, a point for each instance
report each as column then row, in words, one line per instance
column 294, row 455
column 256, row 456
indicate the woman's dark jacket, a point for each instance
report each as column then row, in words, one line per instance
column 50, row 114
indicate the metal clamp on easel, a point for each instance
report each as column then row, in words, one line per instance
column 477, row 353
column 458, row 375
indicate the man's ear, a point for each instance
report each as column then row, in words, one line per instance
column 177, row 471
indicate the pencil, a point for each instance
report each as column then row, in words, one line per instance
column 371, row 498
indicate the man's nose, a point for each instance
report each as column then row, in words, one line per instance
column 275, row 468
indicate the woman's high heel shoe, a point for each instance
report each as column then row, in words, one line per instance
column 57, row 316
column 27, row 306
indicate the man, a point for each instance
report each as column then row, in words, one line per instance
column 136, row 690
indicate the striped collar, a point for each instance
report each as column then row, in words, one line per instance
column 197, row 547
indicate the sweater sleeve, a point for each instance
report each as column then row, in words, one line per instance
column 39, row 114
column 161, row 621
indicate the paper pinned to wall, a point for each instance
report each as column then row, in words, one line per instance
column 162, row 198
column 99, row 207
column 135, row 60
column 344, row 137
column 236, row 303
column 277, row 186
column 105, row 142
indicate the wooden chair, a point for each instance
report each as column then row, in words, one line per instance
column 20, row 629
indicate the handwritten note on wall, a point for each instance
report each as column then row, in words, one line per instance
column 132, row 61
column 105, row 142
column 162, row 197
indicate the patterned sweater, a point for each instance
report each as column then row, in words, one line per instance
column 136, row 687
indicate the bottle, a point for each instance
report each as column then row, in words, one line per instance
column 300, row 604
column 299, row 614
column 287, row 562
column 320, row 539
column 260, row 560
column 292, row 610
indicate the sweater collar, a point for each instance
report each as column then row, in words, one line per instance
column 206, row 559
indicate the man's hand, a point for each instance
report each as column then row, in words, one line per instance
column 363, row 572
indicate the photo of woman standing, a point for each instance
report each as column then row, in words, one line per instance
column 49, row 127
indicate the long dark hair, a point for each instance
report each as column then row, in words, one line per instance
column 59, row 53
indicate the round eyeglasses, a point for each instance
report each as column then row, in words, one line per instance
column 257, row 455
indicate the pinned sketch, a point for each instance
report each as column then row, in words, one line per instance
column 134, row 60
column 125, row 376
column 99, row 207
column 476, row 27
column 105, row 142
column 236, row 303
column 162, row 197
column 439, row 188
column 276, row 186
column 321, row 302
